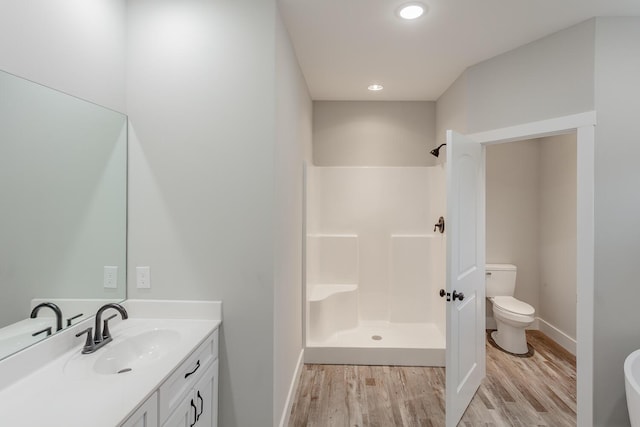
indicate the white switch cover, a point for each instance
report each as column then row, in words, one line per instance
column 110, row 277
column 143, row 278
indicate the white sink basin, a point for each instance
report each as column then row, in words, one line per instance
column 632, row 386
column 130, row 351
column 135, row 352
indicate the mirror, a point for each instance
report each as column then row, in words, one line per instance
column 63, row 212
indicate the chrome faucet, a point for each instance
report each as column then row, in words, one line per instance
column 52, row 306
column 102, row 335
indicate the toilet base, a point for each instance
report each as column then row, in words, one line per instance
column 510, row 339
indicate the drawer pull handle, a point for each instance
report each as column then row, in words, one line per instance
column 201, row 405
column 188, row 374
column 195, row 414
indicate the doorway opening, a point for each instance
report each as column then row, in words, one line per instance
column 531, row 225
column 584, row 126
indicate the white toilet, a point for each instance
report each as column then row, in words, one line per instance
column 512, row 316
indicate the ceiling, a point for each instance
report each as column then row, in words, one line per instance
column 345, row 45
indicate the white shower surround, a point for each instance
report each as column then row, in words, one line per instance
column 375, row 265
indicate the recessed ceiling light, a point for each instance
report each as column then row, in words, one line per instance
column 411, row 10
column 375, row 87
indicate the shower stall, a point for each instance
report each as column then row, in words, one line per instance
column 374, row 263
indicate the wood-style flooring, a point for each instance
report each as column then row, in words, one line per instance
column 535, row 391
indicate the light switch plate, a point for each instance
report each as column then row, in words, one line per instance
column 110, row 277
column 143, row 278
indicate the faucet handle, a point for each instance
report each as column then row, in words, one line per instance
column 47, row 330
column 71, row 319
column 88, row 345
column 106, row 334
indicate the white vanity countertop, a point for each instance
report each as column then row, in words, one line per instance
column 67, row 392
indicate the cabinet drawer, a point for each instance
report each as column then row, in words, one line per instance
column 183, row 379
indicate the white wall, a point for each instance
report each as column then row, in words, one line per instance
column 512, row 205
column 548, row 78
column 373, row 133
column 557, row 220
column 201, row 99
column 617, row 203
column 293, row 147
column 600, row 72
column 75, row 46
column 451, row 110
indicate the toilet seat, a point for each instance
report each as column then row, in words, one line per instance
column 511, row 305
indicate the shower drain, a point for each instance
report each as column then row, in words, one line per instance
column 376, row 337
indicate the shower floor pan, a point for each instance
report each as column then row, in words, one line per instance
column 381, row 343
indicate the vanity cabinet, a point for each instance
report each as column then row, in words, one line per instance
column 198, row 408
column 188, row 397
column 146, row 415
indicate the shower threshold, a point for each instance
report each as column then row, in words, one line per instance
column 381, row 343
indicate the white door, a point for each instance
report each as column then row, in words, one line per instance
column 465, row 354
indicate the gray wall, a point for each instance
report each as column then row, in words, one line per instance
column 293, row 147
column 617, row 203
column 557, row 216
column 548, row 78
column 512, row 204
column 373, row 133
column 451, row 109
column 599, row 72
column 202, row 105
column 201, row 97
column 74, row 46
column 531, row 222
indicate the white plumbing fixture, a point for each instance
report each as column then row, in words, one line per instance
column 632, row 386
column 512, row 316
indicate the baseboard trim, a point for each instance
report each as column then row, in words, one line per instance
column 284, row 419
column 564, row 340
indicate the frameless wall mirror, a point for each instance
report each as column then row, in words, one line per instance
column 63, row 213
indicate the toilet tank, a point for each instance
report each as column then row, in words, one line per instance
column 500, row 280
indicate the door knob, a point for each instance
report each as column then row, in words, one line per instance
column 456, row 295
column 444, row 293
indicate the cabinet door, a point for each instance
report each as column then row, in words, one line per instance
column 146, row 415
column 184, row 415
column 206, row 398
column 182, row 381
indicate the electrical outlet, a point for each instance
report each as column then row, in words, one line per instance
column 110, row 277
column 143, row 278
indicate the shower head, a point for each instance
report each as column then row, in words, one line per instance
column 436, row 151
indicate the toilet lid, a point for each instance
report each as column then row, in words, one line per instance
column 513, row 305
